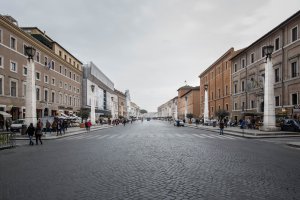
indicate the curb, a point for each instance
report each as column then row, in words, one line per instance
column 67, row 135
column 293, row 145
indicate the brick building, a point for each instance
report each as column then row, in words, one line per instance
column 248, row 70
column 218, row 79
column 58, row 72
column 188, row 101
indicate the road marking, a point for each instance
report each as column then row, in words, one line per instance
column 101, row 137
column 205, row 135
column 200, row 136
column 112, row 136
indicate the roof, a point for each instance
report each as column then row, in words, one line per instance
column 185, row 87
column 190, row 90
column 228, row 52
column 268, row 33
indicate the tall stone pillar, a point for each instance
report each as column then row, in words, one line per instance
column 205, row 114
column 93, row 105
column 30, row 100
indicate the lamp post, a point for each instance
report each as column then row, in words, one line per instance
column 205, row 114
column 269, row 105
column 112, row 108
column 92, row 105
column 30, row 100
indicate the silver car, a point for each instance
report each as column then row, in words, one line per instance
column 16, row 125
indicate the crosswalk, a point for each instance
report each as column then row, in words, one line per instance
column 166, row 135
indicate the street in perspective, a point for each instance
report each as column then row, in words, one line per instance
column 151, row 160
column 150, row 100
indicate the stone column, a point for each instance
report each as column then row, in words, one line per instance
column 93, row 107
column 30, row 100
column 205, row 114
column 269, row 104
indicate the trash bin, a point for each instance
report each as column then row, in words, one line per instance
column 214, row 123
column 23, row 130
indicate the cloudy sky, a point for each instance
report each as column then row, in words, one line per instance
column 151, row 46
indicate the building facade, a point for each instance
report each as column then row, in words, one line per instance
column 57, row 81
column 103, row 91
column 248, row 72
column 217, row 79
column 168, row 109
column 122, row 109
column 188, row 102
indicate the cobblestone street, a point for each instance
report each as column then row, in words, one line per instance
column 150, row 160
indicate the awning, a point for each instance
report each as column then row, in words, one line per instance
column 5, row 114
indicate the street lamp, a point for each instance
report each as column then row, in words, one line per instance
column 30, row 100
column 92, row 105
column 205, row 114
column 269, row 104
column 112, row 107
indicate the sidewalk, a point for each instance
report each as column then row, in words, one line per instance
column 71, row 131
column 250, row 133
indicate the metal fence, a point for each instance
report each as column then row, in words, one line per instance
column 7, row 140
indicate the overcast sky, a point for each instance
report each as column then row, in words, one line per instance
column 151, row 46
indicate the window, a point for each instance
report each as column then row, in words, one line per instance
column 243, row 86
column 60, row 53
column 219, row 93
column 37, row 56
column 294, row 33
column 70, row 61
column 1, row 84
column 70, row 74
column 66, row 99
column 37, row 76
column 295, row 99
column 70, row 100
column 227, row 107
column 46, row 79
column 25, row 71
column 13, row 43
column 38, row 93
column 74, row 63
column 52, row 64
column 74, row 77
column 226, row 90
column 0, row 36
column 294, row 69
column 277, row 101
column 65, row 57
column 24, row 89
column 1, row 62
column 243, row 106
column 53, row 81
column 243, row 63
column 60, row 69
column 60, row 84
column 252, row 104
column 46, row 95
column 252, row 57
column 24, row 49
column 46, row 61
column 262, row 51
column 13, row 66
column 276, row 75
column 276, row 46
column 235, row 67
column 77, row 66
column 53, row 97
column 235, row 106
column 78, row 90
column 235, row 88
column 65, row 72
column 13, row 88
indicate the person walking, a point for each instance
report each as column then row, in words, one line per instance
column 48, row 127
column 221, row 124
column 38, row 132
column 58, row 128
column 30, row 132
column 89, row 124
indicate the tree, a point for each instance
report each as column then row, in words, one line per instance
column 84, row 114
column 221, row 113
column 189, row 116
column 143, row 111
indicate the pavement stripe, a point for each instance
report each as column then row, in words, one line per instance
column 207, row 136
column 230, row 137
column 200, row 136
column 112, row 136
column 101, row 137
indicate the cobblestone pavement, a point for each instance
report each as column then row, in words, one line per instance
column 150, row 160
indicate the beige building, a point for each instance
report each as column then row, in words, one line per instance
column 122, row 109
column 58, row 72
column 248, row 71
column 188, row 101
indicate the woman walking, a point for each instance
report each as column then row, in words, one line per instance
column 38, row 132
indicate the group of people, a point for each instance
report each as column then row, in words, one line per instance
column 36, row 131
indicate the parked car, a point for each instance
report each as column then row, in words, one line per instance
column 178, row 123
column 290, row 125
column 16, row 125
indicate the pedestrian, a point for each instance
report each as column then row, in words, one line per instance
column 38, row 132
column 225, row 122
column 48, row 127
column 58, row 128
column 63, row 126
column 30, row 132
column 89, row 124
column 221, row 124
column 86, row 126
